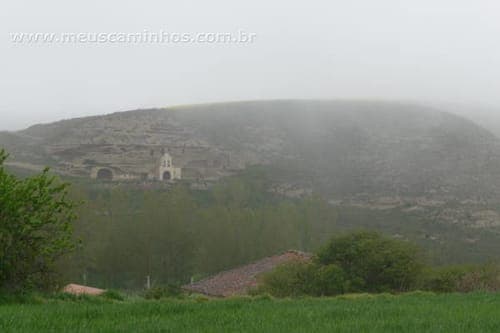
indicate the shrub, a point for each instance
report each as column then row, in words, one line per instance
column 465, row 278
column 298, row 278
column 445, row 279
column 357, row 262
column 482, row 278
column 289, row 279
column 373, row 262
column 113, row 295
column 328, row 280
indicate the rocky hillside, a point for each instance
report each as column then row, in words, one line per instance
column 345, row 149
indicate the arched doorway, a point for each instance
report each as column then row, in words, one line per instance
column 105, row 174
column 167, row 175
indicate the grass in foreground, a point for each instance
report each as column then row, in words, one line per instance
column 415, row 312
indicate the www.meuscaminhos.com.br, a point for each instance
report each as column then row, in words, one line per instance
column 143, row 37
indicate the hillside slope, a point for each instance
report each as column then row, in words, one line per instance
column 339, row 148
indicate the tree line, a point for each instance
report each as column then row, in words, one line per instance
column 174, row 236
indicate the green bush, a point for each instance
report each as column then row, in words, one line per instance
column 35, row 229
column 328, row 280
column 113, row 295
column 481, row 278
column 299, row 278
column 356, row 262
column 445, row 279
column 464, row 278
column 289, row 279
column 373, row 262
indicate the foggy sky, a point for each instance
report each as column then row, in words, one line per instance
column 444, row 51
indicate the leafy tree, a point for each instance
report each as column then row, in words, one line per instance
column 35, row 228
column 373, row 262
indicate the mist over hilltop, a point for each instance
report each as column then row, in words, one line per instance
column 341, row 148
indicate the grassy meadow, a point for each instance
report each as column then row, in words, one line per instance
column 413, row 312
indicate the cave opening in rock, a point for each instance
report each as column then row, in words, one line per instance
column 105, row 174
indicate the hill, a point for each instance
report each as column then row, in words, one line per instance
column 410, row 171
column 344, row 149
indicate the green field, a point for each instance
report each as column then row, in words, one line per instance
column 416, row 312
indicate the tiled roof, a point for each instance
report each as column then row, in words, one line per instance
column 239, row 280
column 77, row 289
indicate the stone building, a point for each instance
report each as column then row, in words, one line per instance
column 160, row 169
column 165, row 169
